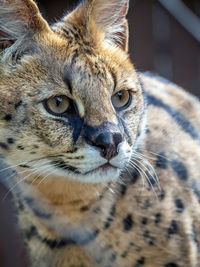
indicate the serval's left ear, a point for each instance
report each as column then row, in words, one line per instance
column 110, row 17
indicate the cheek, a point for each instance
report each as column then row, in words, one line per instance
column 53, row 133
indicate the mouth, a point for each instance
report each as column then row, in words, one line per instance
column 105, row 167
column 103, row 173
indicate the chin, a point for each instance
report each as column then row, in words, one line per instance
column 99, row 175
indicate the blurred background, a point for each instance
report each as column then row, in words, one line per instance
column 164, row 38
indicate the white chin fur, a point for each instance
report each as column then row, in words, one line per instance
column 96, row 176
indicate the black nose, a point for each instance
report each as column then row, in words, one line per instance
column 108, row 143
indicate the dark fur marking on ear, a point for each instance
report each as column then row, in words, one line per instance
column 177, row 116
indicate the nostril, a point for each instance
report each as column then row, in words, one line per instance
column 117, row 138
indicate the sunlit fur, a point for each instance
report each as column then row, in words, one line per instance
column 75, row 209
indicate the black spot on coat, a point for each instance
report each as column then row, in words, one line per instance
column 4, row 146
column 161, row 162
column 179, row 205
column 173, row 228
column 180, row 170
column 8, row 117
column 128, row 223
column 139, row 262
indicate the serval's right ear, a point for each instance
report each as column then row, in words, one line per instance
column 19, row 19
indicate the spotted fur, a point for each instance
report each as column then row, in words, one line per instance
column 96, row 185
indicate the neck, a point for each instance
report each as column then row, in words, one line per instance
column 69, row 197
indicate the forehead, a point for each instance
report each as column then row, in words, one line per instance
column 85, row 68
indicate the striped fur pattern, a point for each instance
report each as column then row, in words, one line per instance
column 113, row 180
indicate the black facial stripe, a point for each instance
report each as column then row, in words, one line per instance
column 61, row 164
column 76, row 123
column 177, row 116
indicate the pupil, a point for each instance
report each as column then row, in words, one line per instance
column 58, row 101
column 120, row 95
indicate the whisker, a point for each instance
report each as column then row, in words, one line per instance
column 29, row 161
column 155, row 179
column 154, row 153
column 149, row 181
column 47, row 167
column 152, row 168
column 20, row 181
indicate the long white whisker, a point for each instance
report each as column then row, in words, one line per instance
column 149, row 181
column 154, row 153
column 47, row 167
column 24, row 171
column 20, row 181
column 152, row 168
column 154, row 179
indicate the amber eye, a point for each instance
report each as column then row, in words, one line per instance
column 121, row 99
column 57, row 104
